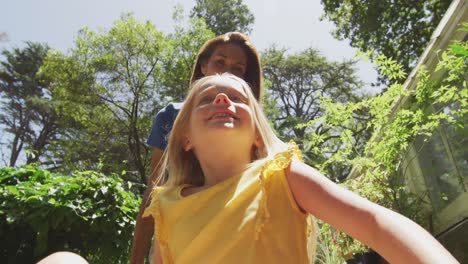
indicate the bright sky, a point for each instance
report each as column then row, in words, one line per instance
column 292, row 24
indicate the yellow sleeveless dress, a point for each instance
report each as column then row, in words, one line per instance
column 248, row 218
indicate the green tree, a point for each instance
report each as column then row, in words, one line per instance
column 108, row 88
column 27, row 113
column 297, row 85
column 397, row 29
column 184, row 44
column 224, row 16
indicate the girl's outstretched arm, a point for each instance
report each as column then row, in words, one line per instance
column 393, row 236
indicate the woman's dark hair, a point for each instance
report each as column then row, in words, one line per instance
column 253, row 72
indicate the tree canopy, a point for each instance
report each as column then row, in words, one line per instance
column 111, row 85
column 224, row 16
column 298, row 85
column 397, row 29
column 184, row 43
column 108, row 87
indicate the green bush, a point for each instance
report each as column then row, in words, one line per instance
column 88, row 213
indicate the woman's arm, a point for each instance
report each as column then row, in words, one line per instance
column 393, row 236
column 144, row 227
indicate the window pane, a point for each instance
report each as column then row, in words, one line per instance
column 440, row 170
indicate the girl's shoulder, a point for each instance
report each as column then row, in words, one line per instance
column 282, row 159
column 161, row 193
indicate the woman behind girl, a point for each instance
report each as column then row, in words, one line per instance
column 236, row 194
column 232, row 52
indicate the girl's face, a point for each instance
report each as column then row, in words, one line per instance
column 221, row 111
column 226, row 57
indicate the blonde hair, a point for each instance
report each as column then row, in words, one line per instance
column 253, row 71
column 182, row 167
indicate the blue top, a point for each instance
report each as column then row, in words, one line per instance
column 162, row 125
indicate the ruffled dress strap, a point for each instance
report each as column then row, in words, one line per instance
column 154, row 210
column 281, row 161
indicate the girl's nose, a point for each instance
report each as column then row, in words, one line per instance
column 222, row 98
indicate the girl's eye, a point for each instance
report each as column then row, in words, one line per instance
column 237, row 99
column 205, row 100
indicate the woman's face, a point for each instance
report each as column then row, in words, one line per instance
column 226, row 57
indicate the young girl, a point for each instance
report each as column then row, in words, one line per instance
column 231, row 52
column 237, row 194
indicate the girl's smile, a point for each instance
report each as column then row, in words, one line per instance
column 221, row 105
column 223, row 114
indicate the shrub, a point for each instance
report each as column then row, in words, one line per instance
column 89, row 213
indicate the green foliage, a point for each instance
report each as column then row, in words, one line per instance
column 224, row 16
column 107, row 90
column 184, row 44
column 298, row 86
column 397, row 29
column 380, row 176
column 88, row 213
column 111, row 85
